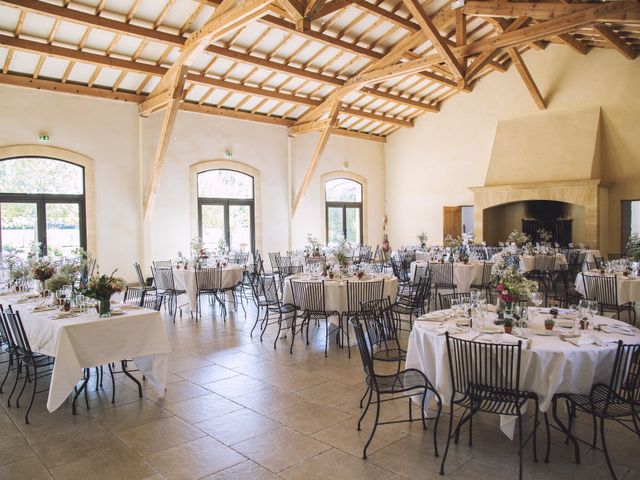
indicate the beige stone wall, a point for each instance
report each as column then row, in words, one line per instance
column 436, row 162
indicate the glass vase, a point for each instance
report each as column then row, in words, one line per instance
column 104, row 307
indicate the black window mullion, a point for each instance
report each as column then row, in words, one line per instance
column 41, row 212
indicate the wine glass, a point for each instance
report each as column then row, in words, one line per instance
column 455, row 306
column 474, row 297
column 536, row 299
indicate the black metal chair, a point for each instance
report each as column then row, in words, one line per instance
column 402, row 274
column 412, row 305
column 134, row 296
column 165, row 285
column 36, row 366
column 445, row 298
column 209, row 284
column 486, row 378
column 382, row 331
column 266, row 296
column 402, row 384
column 619, row 400
column 145, row 283
column 309, row 298
column 442, row 276
column 604, row 290
column 7, row 347
column 485, row 284
column 357, row 293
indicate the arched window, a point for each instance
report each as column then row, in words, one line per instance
column 42, row 200
column 343, row 198
column 226, row 209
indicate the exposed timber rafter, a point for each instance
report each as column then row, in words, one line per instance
column 165, row 138
column 616, row 42
column 525, row 74
column 322, row 143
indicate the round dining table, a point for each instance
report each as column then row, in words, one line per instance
column 186, row 280
column 550, row 364
column 464, row 274
column 335, row 290
column 628, row 288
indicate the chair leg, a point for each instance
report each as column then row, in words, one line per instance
column 535, row 437
column 15, row 382
column 375, row 426
column 78, row 392
column 564, row 429
column 293, row 332
column 435, row 427
column 519, row 445
column 27, row 379
column 548, row 429
column 113, row 385
column 446, row 449
column 128, row 374
column 33, row 394
column 6, row 375
column 370, row 391
column 255, row 324
column 364, row 395
column 604, row 448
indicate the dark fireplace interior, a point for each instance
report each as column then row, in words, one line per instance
column 565, row 221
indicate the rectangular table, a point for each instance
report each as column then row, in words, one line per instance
column 87, row 341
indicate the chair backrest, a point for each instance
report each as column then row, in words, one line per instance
column 358, row 292
column 163, row 277
column 441, row 273
column 624, row 384
column 18, row 334
column 363, row 348
column 399, row 270
column 284, row 262
column 483, row 369
column 134, row 296
column 445, row 299
column 152, row 300
column 602, row 289
column 382, row 327
column 308, row 296
column 239, row 258
column 312, row 260
column 6, row 335
column 486, row 274
column 288, row 270
column 265, row 290
column 420, row 293
column 163, row 264
column 208, row 279
column 274, row 258
column 420, row 270
column 141, row 279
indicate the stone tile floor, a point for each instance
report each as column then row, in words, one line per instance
column 236, row 408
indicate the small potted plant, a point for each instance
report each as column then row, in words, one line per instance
column 549, row 323
column 508, row 324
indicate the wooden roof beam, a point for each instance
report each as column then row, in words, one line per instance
column 616, row 42
column 322, row 143
column 526, row 77
column 431, row 32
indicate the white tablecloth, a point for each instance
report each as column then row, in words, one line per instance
column 628, row 288
column 89, row 341
column 186, row 280
column 527, row 262
column 463, row 275
column 335, row 291
column 550, row 366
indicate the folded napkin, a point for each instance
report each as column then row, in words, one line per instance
column 7, row 292
column 44, row 308
column 62, row 315
column 504, row 338
column 127, row 306
column 452, row 329
column 491, row 308
column 580, row 340
column 618, row 329
column 437, row 316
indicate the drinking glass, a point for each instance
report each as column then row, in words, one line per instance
column 455, row 306
column 474, row 297
column 536, row 299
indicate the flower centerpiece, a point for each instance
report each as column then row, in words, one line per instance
column 544, row 236
column 341, row 251
column 519, row 238
column 42, row 269
column 223, row 248
column 511, row 283
column 453, row 244
column 633, row 248
column 422, row 238
column 101, row 287
column 313, row 246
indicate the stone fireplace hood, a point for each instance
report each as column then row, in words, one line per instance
column 548, row 157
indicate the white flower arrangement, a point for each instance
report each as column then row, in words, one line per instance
column 519, row 238
column 633, row 247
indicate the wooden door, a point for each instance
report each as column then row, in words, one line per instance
column 452, row 221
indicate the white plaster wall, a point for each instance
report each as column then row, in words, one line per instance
column 365, row 158
column 434, row 163
column 198, row 138
column 106, row 132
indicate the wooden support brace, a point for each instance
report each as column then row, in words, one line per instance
column 526, row 77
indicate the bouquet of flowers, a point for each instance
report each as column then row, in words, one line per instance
column 509, row 280
column 452, row 242
column 633, row 247
column 223, row 249
column 544, row 235
column 313, row 246
column 341, row 251
column 422, row 238
column 101, row 287
column 43, row 269
column 519, row 238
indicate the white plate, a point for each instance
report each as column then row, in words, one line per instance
column 542, row 333
column 492, row 330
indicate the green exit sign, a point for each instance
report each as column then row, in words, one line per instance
column 43, row 137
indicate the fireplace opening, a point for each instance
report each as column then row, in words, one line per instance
column 565, row 221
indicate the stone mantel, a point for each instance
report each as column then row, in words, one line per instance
column 591, row 194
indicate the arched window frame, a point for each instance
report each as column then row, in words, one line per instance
column 363, row 204
column 87, row 209
column 256, row 221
